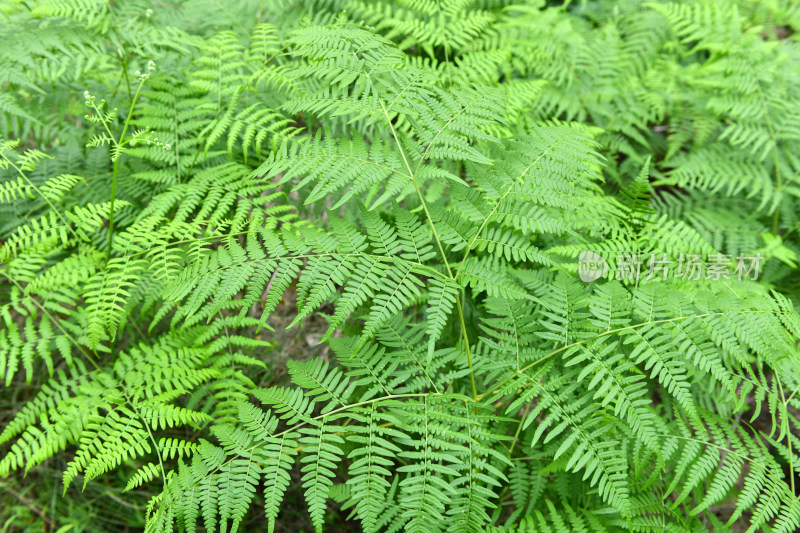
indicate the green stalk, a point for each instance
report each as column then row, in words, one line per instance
column 119, row 145
column 412, row 176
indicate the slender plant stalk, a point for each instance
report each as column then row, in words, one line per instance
column 411, row 175
column 118, row 144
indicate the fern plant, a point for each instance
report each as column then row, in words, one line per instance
column 416, row 187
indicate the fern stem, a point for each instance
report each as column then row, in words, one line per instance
column 45, row 198
column 200, row 144
column 343, row 408
column 788, row 433
column 466, row 346
column 717, row 446
column 119, row 144
column 438, row 244
column 789, row 399
column 57, row 323
column 433, row 228
column 519, row 427
column 774, row 139
column 338, row 410
column 775, row 219
column 111, row 208
column 125, row 74
column 500, row 200
column 521, row 371
column 150, row 433
column 416, row 187
column 177, row 139
column 524, row 369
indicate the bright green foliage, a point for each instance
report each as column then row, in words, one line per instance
column 183, row 183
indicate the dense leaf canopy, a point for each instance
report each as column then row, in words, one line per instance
column 417, row 188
